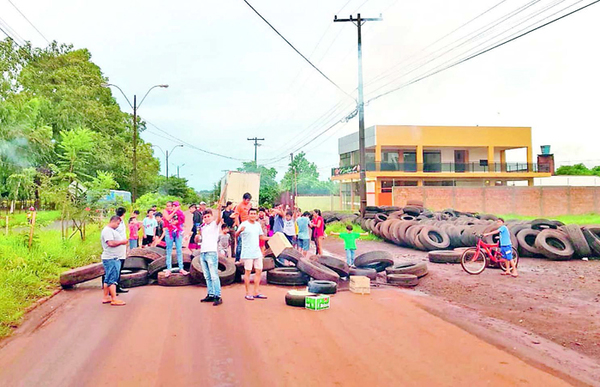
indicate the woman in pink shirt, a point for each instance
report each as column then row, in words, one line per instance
column 174, row 219
column 318, row 226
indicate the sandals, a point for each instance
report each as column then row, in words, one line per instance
column 261, row 296
column 249, row 298
column 117, row 303
column 106, row 301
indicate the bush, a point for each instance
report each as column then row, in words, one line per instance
column 146, row 201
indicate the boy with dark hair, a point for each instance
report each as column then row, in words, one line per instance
column 505, row 245
column 241, row 214
column 150, row 226
column 250, row 232
column 209, row 259
column 160, row 230
column 349, row 237
column 289, row 227
column 303, row 232
column 122, row 249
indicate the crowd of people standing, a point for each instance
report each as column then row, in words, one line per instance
column 238, row 232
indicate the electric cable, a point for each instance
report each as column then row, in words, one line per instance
column 28, row 21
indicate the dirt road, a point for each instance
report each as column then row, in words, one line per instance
column 164, row 336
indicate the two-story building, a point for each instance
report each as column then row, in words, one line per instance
column 404, row 155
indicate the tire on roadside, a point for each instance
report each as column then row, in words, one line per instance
column 147, row 252
column 81, row 274
column 527, row 247
column 335, row 264
column 134, row 278
column 433, row 238
column 226, row 269
column 445, row 256
column 415, row 268
column 405, row 280
column 372, row 257
column 592, row 236
column 297, row 298
column 322, row 287
column 135, row 263
column 555, row 245
column 316, row 270
column 371, row 273
column 580, row 244
column 291, row 254
column 287, row 276
column 175, row 279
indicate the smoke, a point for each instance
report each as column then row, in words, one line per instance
column 15, row 152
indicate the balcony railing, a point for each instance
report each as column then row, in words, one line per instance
column 441, row 168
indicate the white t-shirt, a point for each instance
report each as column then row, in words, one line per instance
column 110, row 234
column 289, row 227
column 210, row 237
column 150, row 224
column 250, row 237
column 123, row 235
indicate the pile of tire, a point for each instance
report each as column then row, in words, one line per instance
column 446, row 233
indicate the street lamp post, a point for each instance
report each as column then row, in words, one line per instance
column 135, row 106
column 166, row 154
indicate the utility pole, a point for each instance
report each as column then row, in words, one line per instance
column 256, row 145
column 167, row 164
column 135, row 140
column 293, row 180
column 358, row 22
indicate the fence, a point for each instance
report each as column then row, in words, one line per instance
column 526, row 201
column 324, row 203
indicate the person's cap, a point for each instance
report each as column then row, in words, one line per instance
column 175, row 203
column 202, row 203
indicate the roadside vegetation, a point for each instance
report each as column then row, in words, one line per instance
column 341, row 227
column 27, row 275
column 42, row 218
column 582, row 220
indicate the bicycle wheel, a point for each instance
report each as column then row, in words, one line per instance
column 473, row 262
column 515, row 257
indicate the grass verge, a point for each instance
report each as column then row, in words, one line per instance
column 587, row 219
column 28, row 275
column 42, row 218
column 341, row 227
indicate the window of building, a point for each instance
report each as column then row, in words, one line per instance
column 409, row 160
column 346, row 160
column 432, row 161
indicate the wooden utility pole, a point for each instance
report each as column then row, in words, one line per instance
column 256, row 145
column 359, row 21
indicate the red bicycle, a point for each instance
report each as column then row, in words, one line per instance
column 476, row 259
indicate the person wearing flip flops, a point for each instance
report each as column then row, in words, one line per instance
column 251, row 233
column 210, row 231
column 505, row 245
column 111, row 241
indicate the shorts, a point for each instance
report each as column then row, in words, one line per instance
column 133, row 243
column 506, row 252
column 112, row 267
column 257, row 263
column 304, row 244
column 148, row 239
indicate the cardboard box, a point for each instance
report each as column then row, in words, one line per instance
column 360, row 284
column 320, row 302
column 278, row 243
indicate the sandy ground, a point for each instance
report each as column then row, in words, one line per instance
column 164, row 336
column 551, row 312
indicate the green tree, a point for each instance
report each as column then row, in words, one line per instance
column 304, row 173
column 269, row 189
column 577, row 169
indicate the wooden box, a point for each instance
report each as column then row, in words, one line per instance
column 278, row 243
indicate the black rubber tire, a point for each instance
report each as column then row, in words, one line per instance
column 160, row 264
column 373, row 257
column 322, row 287
column 370, row 273
column 444, row 256
column 317, row 271
column 134, row 279
column 227, row 271
column 334, row 264
column 415, row 268
column 291, row 254
column 434, row 238
column 146, row 253
column 580, row 244
column 415, row 203
column 413, row 211
column 287, row 276
column 543, row 224
column 158, row 250
column 592, row 236
column 502, row 264
column 81, row 274
column 175, row 279
column 378, row 266
column 405, row 280
column 555, row 245
column 297, row 298
column 135, row 263
column 381, row 217
column 526, row 247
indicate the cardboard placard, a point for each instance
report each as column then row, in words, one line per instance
column 278, row 243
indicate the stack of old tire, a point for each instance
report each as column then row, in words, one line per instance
column 445, row 234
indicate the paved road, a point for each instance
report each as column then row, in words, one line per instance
column 165, row 337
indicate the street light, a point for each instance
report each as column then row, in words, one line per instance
column 134, row 106
column 166, row 154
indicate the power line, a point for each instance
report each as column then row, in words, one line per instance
column 12, row 30
column 28, row 21
column 298, row 52
column 483, row 52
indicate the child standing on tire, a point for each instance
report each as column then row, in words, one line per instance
column 505, row 245
column 349, row 237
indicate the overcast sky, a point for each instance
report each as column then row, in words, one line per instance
column 231, row 77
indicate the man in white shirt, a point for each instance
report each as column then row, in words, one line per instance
column 111, row 243
column 251, row 232
column 120, row 212
column 210, row 230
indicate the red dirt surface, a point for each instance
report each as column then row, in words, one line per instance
column 164, row 336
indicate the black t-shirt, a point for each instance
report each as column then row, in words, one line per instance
column 197, row 217
column 159, row 229
column 227, row 219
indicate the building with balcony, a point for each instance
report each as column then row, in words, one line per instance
column 404, row 155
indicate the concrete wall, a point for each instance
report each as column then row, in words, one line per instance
column 528, row 201
column 323, row 203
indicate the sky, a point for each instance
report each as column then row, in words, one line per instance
column 231, row 77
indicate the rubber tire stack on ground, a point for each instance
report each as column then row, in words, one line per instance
column 445, row 256
column 227, row 271
column 81, row 274
column 377, row 260
column 335, row 264
column 371, row 273
column 317, row 271
column 415, row 268
column 287, row 276
column 322, row 287
column 404, row 280
column 175, row 279
column 554, row 244
column 133, row 278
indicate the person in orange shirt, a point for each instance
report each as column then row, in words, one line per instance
column 241, row 214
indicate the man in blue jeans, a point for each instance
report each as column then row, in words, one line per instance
column 111, row 241
column 210, row 230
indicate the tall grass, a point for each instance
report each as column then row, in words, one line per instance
column 42, row 218
column 28, row 275
column 566, row 219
